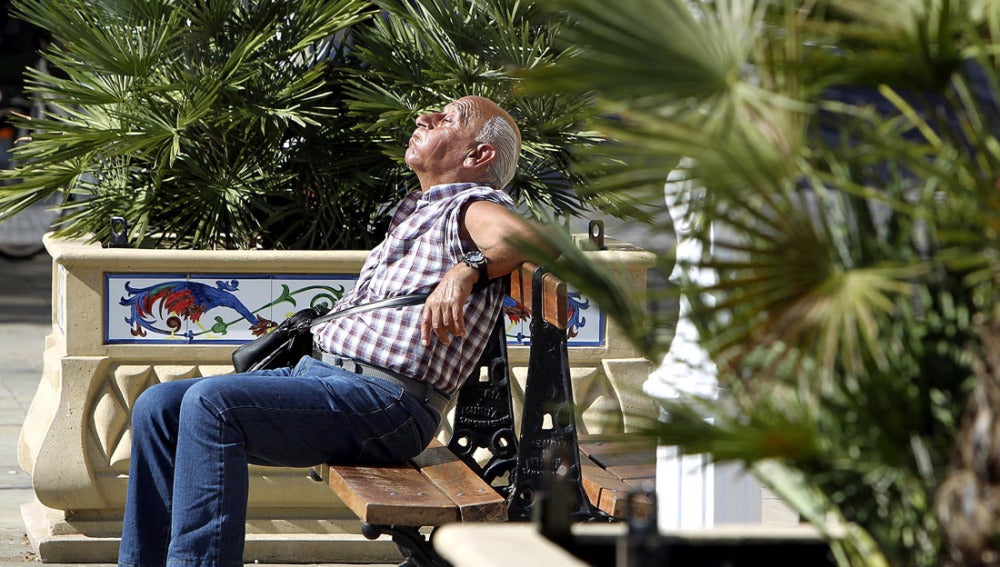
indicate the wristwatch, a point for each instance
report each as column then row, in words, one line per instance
column 477, row 260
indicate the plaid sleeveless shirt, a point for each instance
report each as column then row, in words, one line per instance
column 423, row 242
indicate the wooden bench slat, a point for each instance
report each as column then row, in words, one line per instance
column 476, row 500
column 609, row 493
column 391, row 496
column 603, row 489
column 435, row 488
column 554, row 305
column 608, row 487
column 634, row 472
column 610, row 454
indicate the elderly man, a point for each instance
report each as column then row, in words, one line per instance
column 192, row 439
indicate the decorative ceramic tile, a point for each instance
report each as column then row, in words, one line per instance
column 585, row 325
column 225, row 307
column 586, row 321
column 234, row 308
column 292, row 293
column 158, row 308
column 144, row 308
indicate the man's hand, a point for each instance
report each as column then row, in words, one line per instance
column 489, row 226
column 444, row 310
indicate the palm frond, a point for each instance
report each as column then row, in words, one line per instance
column 837, row 164
column 183, row 104
column 423, row 54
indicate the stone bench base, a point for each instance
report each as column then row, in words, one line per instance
column 95, row 540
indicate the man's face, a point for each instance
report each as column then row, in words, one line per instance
column 442, row 140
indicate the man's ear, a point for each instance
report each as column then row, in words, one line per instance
column 479, row 156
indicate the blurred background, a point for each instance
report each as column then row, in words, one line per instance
column 21, row 236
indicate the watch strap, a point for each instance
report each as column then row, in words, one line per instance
column 480, row 265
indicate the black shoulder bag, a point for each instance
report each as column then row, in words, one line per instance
column 292, row 339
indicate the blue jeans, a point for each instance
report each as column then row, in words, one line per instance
column 192, row 441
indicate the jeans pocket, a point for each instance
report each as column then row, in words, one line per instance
column 393, row 447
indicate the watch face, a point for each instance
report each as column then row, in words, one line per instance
column 475, row 257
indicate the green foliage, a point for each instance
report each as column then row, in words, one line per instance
column 203, row 124
column 422, row 53
column 239, row 124
column 847, row 155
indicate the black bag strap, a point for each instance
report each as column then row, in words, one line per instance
column 400, row 301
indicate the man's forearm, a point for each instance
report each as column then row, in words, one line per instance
column 499, row 235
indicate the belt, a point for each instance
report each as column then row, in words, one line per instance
column 421, row 390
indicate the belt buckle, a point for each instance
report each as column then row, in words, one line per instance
column 347, row 364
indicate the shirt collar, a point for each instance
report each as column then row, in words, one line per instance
column 417, row 199
column 447, row 190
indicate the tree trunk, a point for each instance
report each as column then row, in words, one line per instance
column 968, row 502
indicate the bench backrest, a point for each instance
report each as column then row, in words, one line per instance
column 521, row 467
column 554, row 306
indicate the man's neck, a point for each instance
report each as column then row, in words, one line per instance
column 426, row 182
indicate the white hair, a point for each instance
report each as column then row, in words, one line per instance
column 500, row 134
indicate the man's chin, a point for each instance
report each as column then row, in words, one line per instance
column 411, row 159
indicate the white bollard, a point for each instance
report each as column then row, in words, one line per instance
column 693, row 492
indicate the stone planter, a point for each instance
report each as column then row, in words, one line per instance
column 124, row 319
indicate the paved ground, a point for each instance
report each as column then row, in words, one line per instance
column 25, row 292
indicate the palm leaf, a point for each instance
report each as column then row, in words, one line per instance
column 837, row 164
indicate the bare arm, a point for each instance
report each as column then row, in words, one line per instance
column 491, row 227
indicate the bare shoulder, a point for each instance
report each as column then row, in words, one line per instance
column 484, row 210
column 491, row 215
column 488, row 223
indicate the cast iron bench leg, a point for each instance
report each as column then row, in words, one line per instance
column 417, row 550
column 549, row 452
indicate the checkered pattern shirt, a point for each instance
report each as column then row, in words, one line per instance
column 422, row 244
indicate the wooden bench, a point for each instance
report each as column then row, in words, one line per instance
column 433, row 489
column 486, row 473
column 614, row 470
